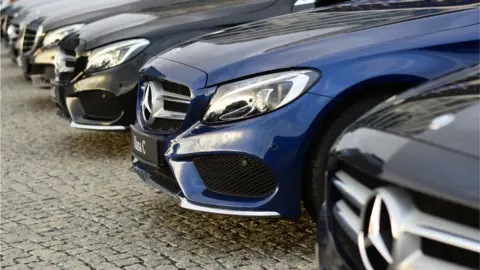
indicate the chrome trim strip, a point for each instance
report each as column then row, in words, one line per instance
column 184, row 203
column 304, row 2
column 94, row 127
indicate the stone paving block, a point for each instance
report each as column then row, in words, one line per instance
column 126, row 262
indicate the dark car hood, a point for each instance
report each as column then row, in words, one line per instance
column 288, row 41
column 35, row 10
column 444, row 113
column 68, row 12
column 151, row 23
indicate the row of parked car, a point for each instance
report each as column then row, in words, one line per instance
column 251, row 107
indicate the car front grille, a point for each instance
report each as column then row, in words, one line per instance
column 428, row 230
column 66, row 66
column 29, row 36
column 169, row 103
column 235, row 175
column 176, row 88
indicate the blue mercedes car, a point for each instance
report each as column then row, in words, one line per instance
column 241, row 121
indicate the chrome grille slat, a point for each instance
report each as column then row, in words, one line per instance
column 445, row 231
column 355, row 192
column 420, row 261
column 348, row 219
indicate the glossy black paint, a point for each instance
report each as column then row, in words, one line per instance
column 54, row 15
column 164, row 26
column 426, row 140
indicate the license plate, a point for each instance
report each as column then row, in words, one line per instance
column 145, row 147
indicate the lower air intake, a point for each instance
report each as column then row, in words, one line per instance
column 166, row 125
column 235, row 175
column 100, row 104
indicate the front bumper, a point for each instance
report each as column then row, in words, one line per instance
column 103, row 100
column 39, row 66
column 278, row 141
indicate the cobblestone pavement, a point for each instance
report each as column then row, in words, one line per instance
column 68, row 201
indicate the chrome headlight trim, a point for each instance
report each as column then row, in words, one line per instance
column 258, row 95
column 114, row 54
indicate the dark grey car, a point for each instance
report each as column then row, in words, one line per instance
column 403, row 183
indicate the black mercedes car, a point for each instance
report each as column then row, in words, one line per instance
column 97, row 67
column 403, row 182
column 15, row 13
column 47, row 24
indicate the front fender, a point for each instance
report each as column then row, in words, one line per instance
column 417, row 59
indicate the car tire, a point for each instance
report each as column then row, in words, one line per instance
column 313, row 182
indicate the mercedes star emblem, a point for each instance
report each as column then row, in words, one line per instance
column 376, row 238
column 147, row 102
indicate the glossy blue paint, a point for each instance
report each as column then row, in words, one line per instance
column 400, row 45
column 251, row 138
column 317, row 44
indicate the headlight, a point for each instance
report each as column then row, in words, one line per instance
column 115, row 54
column 259, row 95
column 58, row 34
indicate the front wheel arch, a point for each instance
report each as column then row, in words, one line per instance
column 384, row 86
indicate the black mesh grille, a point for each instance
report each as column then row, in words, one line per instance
column 100, row 104
column 175, row 106
column 235, row 175
column 166, row 125
column 176, row 88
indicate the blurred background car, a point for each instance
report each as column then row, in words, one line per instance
column 256, row 108
column 12, row 11
column 5, row 3
column 403, row 182
column 97, row 67
column 44, row 26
